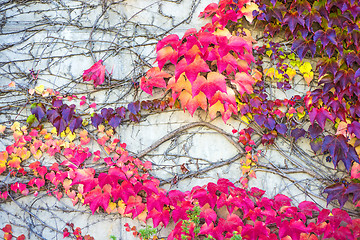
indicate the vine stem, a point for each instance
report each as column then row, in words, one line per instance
column 184, row 128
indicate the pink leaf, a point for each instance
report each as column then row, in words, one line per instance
column 95, row 73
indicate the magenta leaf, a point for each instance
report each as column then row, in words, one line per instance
column 292, row 229
column 95, row 73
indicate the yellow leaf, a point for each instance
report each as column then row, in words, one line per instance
column 248, row 9
column 278, row 75
column 245, row 169
column 47, row 136
column 71, row 136
column 110, row 132
column 2, row 129
column 142, row 216
column 101, row 128
column 305, row 68
column 270, row 72
column 15, row 126
column 291, row 56
column 217, row 107
column 222, row 32
column 85, row 122
column 269, row 53
column 37, row 155
column 110, row 207
column 122, row 206
column 301, row 114
column 245, row 119
column 53, row 131
column 39, row 89
column 290, row 72
column 63, row 134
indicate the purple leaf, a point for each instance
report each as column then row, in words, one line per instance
column 354, row 188
column 67, row 114
column 75, row 123
column 337, row 192
column 57, row 103
column 314, row 130
column 270, row 123
column 134, row 107
column 134, row 118
column 297, row 133
column 260, row 119
column 357, row 73
column 115, row 121
column 38, row 112
column 281, row 128
column 315, row 145
column 106, row 113
column 52, row 114
column 354, row 128
column 59, row 124
column 121, row 111
column 96, row 120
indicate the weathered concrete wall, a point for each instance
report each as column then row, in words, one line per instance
column 59, row 39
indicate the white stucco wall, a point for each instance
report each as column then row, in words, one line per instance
column 65, row 37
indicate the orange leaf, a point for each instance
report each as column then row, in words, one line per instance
column 166, row 54
column 12, row 84
column 217, row 107
column 14, row 162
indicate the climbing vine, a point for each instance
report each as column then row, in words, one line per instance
column 222, row 69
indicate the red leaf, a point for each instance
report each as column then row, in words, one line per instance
column 154, row 78
column 157, row 201
column 214, row 82
column 96, row 73
column 134, row 206
column 7, row 228
column 208, row 214
column 97, row 198
column 166, row 54
column 308, row 208
column 21, row 237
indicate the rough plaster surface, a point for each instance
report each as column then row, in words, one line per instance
column 59, row 39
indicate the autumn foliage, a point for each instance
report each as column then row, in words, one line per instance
column 220, row 70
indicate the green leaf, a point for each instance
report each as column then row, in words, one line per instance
column 30, row 120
